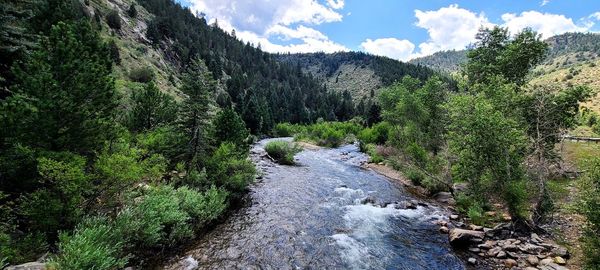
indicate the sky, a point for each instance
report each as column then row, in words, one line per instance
column 399, row 29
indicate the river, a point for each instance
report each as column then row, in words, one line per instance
column 312, row 216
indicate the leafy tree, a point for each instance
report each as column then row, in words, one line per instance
column 152, row 108
column 229, row 169
column 496, row 53
column 490, row 150
column 199, row 87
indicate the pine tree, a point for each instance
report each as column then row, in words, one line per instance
column 64, row 97
column 199, row 87
column 151, row 108
column 229, row 127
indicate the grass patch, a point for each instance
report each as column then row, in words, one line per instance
column 283, row 152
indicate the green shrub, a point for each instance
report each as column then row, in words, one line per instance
column 156, row 221
column 282, row 151
column 415, row 176
column 516, row 196
column 331, row 138
column 229, row 169
column 142, row 74
column 93, row 245
column 166, row 141
column 589, row 206
column 113, row 20
column 371, row 150
column 475, row 213
column 377, row 134
column 286, row 130
column 59, row 205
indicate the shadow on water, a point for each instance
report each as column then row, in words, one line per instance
column 311, row 216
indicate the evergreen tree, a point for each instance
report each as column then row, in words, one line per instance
column 199, row 87
column 151, row 108
column 229, row 127
column 64, row 97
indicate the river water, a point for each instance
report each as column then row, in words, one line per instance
column 311, row 216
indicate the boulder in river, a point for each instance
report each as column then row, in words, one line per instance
column 367, row 200
column 462, row 238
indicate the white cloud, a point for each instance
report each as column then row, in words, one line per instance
column 390, row 47
column 449, row 28
column 546, row 24
column 258, row 21
column 595, row 15
column 336, row 4
column 544, row 2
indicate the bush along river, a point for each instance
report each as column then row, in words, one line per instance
column 326, row 212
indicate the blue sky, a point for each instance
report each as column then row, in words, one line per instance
column 399, row 29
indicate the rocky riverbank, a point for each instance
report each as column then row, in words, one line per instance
column 499, row 247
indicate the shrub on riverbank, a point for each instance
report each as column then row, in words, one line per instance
column 590, row 208
column 283, row 152
column 328, row 134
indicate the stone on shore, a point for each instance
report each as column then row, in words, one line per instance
column 462, row 238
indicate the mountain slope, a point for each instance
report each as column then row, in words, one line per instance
column 359, row 73
column 445, row 61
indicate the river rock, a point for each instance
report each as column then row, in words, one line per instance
column 444, row 229
column 510, row 263
column 453, row 217
column 487, row 244
column 561, row 252
column 532, row 260
column 475, row 250
column 530, row 268
column 28, row 266
column 530, row 248
column 559, row 260
column 501, row 255
column 553, row 266
column 405, row 205
column 459, row 187
column 536, row 239
column 475, row 227
column 444, row 197
column 546, row 261
column 368, row 200
column 472, row 260
column 461, row 237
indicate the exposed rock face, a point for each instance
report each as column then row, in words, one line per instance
column 462, row 238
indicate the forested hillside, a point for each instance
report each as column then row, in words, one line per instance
column 359, row 73
column 445, row 61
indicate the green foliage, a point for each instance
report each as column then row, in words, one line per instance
column 415, row 176
column 229, row 127
column 152, row 108
column 490, row 149
column 229, row 169
column 165, row 140
column 377, row 134
column 475, row 213
column 329, row 134
column 64, row 93
column 496, row 53
column 113, row 20
column 132, row 11
column 94, row 245
column 288, row 130
column 589, row 206
column 141, row 74
column 58, row 206
column 166, row 216
column 199, row 86
column 282, row 151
